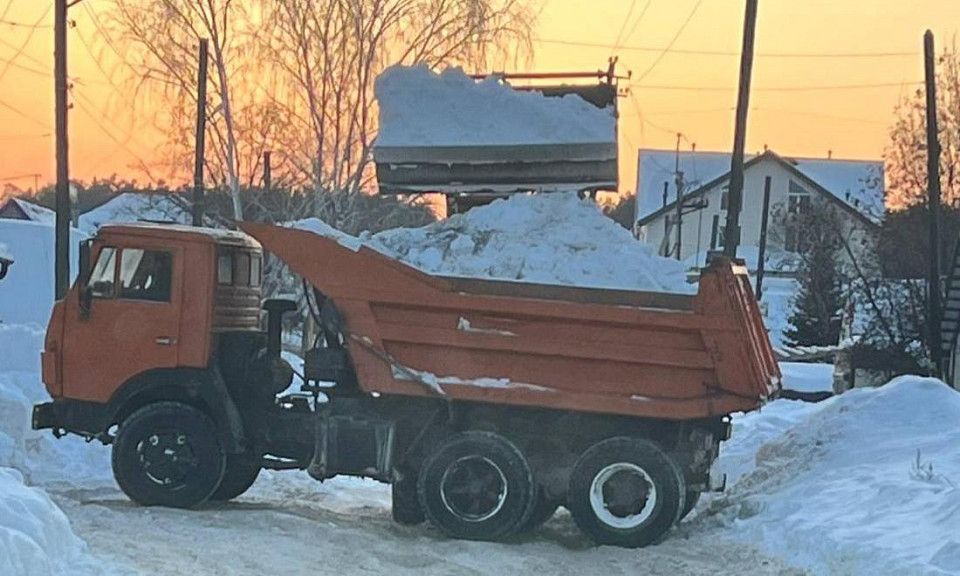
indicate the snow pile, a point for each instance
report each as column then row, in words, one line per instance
column 136, row 207
column 5, row 252
column 41, row 458
column 419, row 107
column 35, row 536
column 864, row 483
column 27, row 292
column 539, row 238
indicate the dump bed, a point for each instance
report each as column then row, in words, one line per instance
column 596, row 350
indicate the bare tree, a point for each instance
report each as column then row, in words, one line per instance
column 159, row 39
column 906, row 154
column 328, row 53
column 296, row 76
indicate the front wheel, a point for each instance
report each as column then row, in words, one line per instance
column 626, row 492
column 477, row 485
column 241, row 472
column 168, row 454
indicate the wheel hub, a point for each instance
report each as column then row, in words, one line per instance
column 167, row 459
column 623, row 495
column 473, row 488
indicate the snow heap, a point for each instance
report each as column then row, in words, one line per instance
column 35, row 536
column 864, row 483
column 137, row 207
column 36, row 453
column 26, row 294
column 419, row 107
column 541, row 238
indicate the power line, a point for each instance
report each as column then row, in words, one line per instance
column 633, row 4
column 776, row 88
column 34, row 26
column 25, row 42
column 122, row 143
column 635, row 23
column 19, row 112
column 24, row 136
column 672, row 41
column 706, row 52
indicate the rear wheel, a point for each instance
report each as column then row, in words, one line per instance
column 477, row 485
column 626, row 492
column 241, row 472
column 168, row 454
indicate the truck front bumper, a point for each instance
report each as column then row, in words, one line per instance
column 44, row 416
column 88, row 419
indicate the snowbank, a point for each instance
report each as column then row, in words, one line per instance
column 42, row 459
column 419, row 107
column 137, row 207
column 864, row 483
column 540, row 238
column 35, row 536
column 27, row 293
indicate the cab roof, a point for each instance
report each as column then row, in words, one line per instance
column 180, row 231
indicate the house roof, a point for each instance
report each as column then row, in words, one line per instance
column 855, row 184
column 32, row 211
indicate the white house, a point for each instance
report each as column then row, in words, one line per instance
column 855, row 186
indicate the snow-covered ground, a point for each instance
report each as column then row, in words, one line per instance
column 861, row 484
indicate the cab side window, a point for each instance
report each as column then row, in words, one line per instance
column 146, row 275
column 100, row 283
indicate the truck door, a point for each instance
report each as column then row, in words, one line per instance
column 132, row 322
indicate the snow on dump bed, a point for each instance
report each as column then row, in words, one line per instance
column 539, row 238
column 419, row 107
column 865, row 483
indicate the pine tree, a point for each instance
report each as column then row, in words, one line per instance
column 815, row 318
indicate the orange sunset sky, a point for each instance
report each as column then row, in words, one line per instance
column 801, row 105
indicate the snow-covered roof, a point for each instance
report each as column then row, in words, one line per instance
column 136, row 207
column 35, row 212
column 419, row 107
column 847, row 180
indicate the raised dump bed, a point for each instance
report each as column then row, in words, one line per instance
column 649, row 354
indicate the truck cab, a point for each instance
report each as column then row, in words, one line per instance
column 152, row 298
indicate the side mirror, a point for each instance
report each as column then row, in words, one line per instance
column 82, row 278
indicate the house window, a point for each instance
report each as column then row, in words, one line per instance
column 798, row 199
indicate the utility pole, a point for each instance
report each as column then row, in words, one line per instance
column 62, row 229
column 200, row 136
column 735, row 199
column 678, row 180
column 763, row 236
column 933, row 203
column 267, row 175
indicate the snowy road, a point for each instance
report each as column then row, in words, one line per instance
column 291, row 524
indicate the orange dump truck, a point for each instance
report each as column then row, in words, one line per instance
column 485, row 404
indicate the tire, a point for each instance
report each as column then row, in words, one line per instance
column 168, row 454
column 693, row 496
column 543, row 510
column 240, row 473
column 477, row 486
column 405, row 507
column 626, row 492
